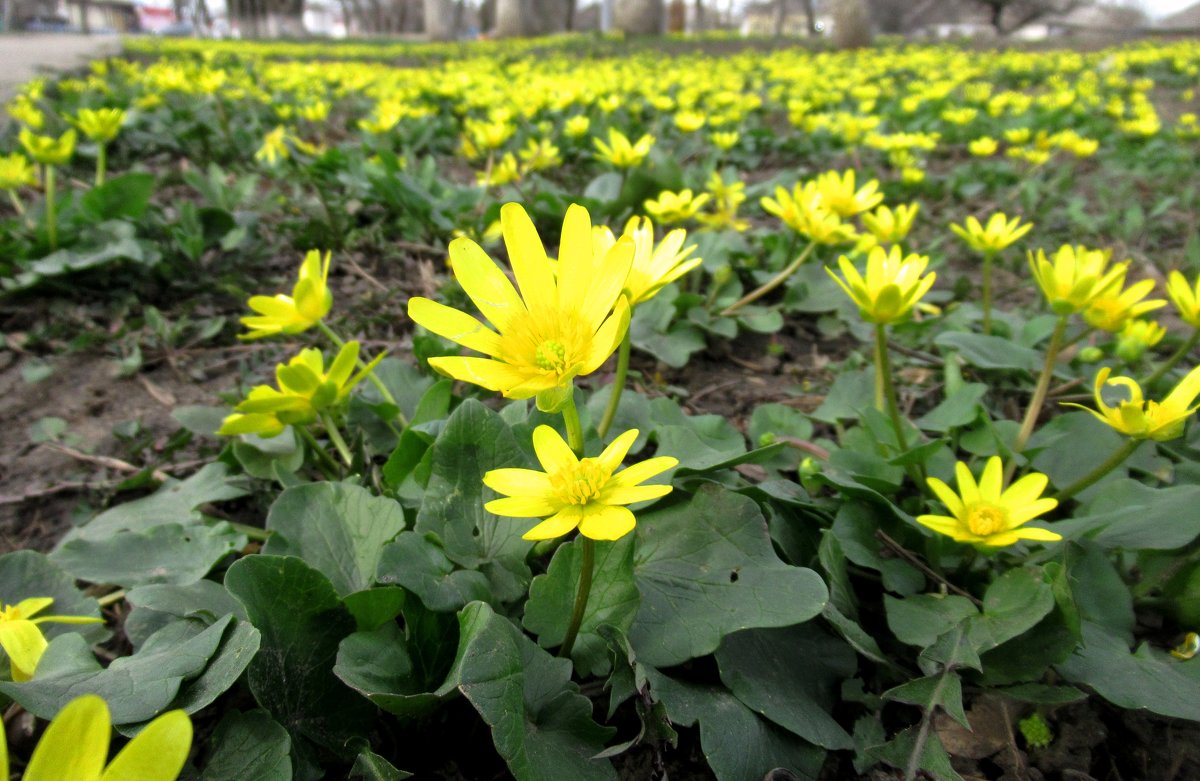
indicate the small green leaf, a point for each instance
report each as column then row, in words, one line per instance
column 369, row 766
column 991, row 352
column 419, row 563
column 166, row 553
column 249, row 747
column 943, row 690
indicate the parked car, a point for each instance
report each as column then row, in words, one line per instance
column 49, row 23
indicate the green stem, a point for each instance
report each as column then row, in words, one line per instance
column 570, row 415
column 111, row 598
column 1113, row 461
column 324, row 461
column 101, row 163
column 987, row 293
column 774, row 282
column 253, row 532
column 339, row 342
column 335, row 436
column 51, row 214
column 618, row 386
column 885, row 389
column 1039, row 393
column 1175, row 358
column 16, row 202
column 581, row 596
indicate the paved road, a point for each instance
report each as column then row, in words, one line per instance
column 24, row 56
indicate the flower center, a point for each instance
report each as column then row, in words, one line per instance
column 582, row 483
column 551, row 356
column 10, row 613
column 984, row 519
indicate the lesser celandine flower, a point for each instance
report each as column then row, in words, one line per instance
column 22, row 639
column 99, row 125
column 555, row 329
column 584, row 493
column 620, row 152
column 984, row 146
column 306, row 390
column 48, row 150
column 15, row 171
column 999, row 234
column 654, row 267
column 540, row 155
column 1138, row 418
column 577, row 126
column 309, row 302
column 840, row 193
column 1136, row 337
column 672, row 208
column 1186, row 298
column 986, row 515
column 890, row 226
column 75, row 747
column 503, row 171
column 689, row 121
column 274, row 146
column 804, row 210
column 1114, row 307
column 1074, row 276
column 724, row 140
column 892, row 286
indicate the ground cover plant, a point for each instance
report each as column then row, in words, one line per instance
column 579, row 409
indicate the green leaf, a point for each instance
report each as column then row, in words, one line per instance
column 414, row 442
column 921, row 619
column 175, row 502
column 1041, row 694
column 738, row 743
column 1072, row 444
column 238, row 646
column 613, row 600
column 156, row 606
column 790, row 676
column 166, row 553
column 770, row 421
column 707, row 569
column 137, row 688
column 337, row 528
column 475, row 441
column 100, row 245
column 369, row 766
column 377, row 665
column 419, row 563
column 959, row 409
column 943, row 690
column 261, row 457
column 122, row 196
column 26, row 574
column 302, row 622
column 605, row 188
column 855, row 527
column 541, row 725
column 653, row 330
column 1127, row 514
column 1146, row 679
column 203, row 421
column 933, row 757
column 374, row 607
column 852, row 393
column 1015, row 602
column 991, row 352
column 249, row 747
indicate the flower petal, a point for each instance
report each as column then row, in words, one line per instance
column 518, row 482
column 633, row 493
column 608, row 337
column 615, row 453
column 604, row 522
column 75, row 745
column 24, row 644
column 521, row 507
column 556, row 525
column 946, row 495
column 951, row 527
column 484, row 282
column 576, row 267
column 1037, row 533
column 484, row 372
column 552, row 451
column 991, row 481
column 643, row 470
column 527, row 256
column 456, row 326
column 157, row 753
column 607, row 285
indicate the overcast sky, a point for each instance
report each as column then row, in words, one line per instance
column 1164, row 7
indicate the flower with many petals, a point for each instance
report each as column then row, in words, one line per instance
column 984, row 514
column 1075, row 276
column 620, row 152
column 1136, row 337
column 309, row 302
column 804, row 211
column 999, row 234
column 48, row 150
column 559, row 326
column 15, row 171
column 1113, row 308
column 100, row 125
column 584, row 493
column 1140, row 419
column 654, row 267
column 892, row 287
column 672, row 208
column 1185, row 297
column 890, row 226
column 840, row 193
column 22, row 639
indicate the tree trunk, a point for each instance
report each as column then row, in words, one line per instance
column 810, row 17
column 780, row 17
column 698, row 17
column 439, row 20
column 851, row 24
column 570, row 20
column 639, row 17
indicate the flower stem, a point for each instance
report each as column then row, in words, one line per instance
column 581, row 596
column 774, row 282
column 111, row 598
column 1039, row 393
column 324, row 461
column 1113, row 461
column 618, row 386
column 101, row 163
column 51, row 215
column 987, row 293
column 1175, row 358
column 885, row 389
column 335, row 436
column 16, row 202
column 570, row 415
column 378, row 383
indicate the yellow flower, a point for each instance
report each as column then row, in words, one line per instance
column 273, row 147
column 1017, row 135
column 100, row 125
column 888, row 226
column 1185, row 297
column 838, row 193
column 893, row 284
column 309, row 302
column 576, row 126
column 1075, row 277
column 314, row 112
column 1136, row 337
column 803, row 210
column 23, row 110
column 504, row 171
column 1140, row 419
column 724, row 140
column 689, row 121
column 1000, row 233
column 653, row 267
column 1114, row 307
column 21, row 638
column 48, row 150
column 488, row 135
column 983, row 514
column 984, row 146
column 15, row 171
column 671, row 208
column 305, row 391
column 574, row 492
column 620, row 152
column 540, row 155
column 552, row 331
column 75, row 747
